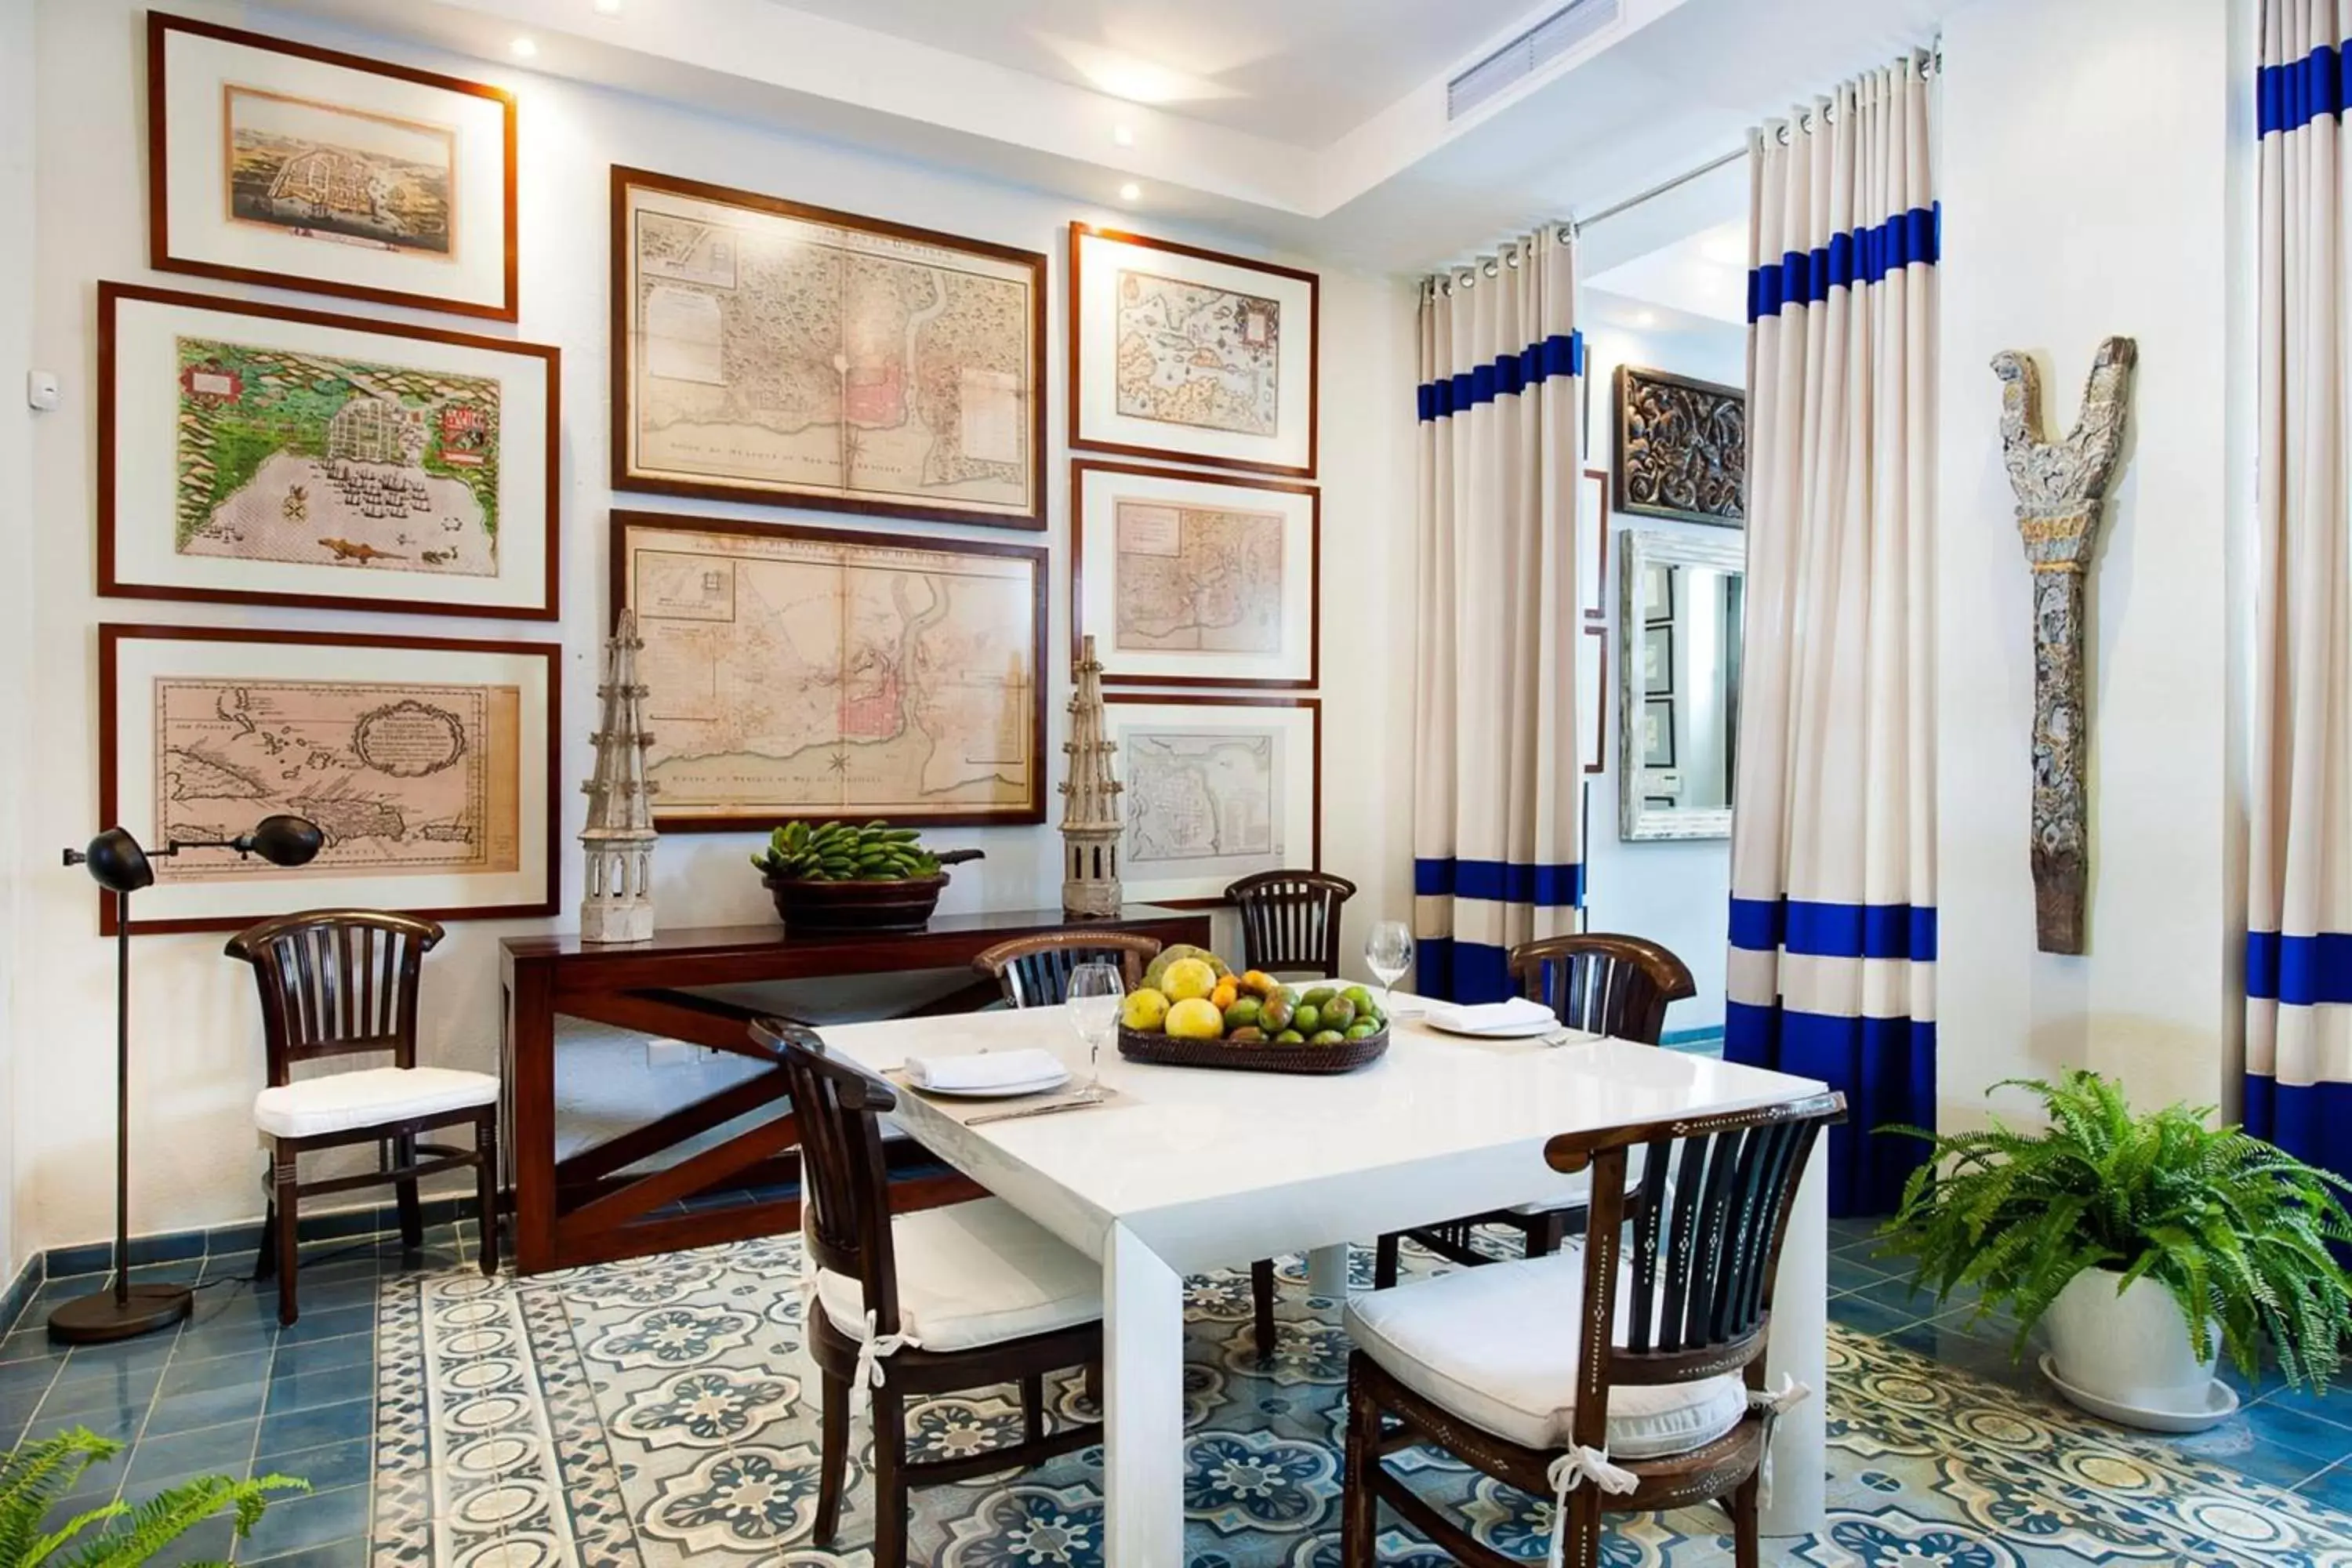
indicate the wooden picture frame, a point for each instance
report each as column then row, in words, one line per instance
column 401, row 491
column 1261, row 419
column 508, row 739
column 1657, row 723
column 1004, row 409
column 727, row 544
column 1292, row 728
column 1594, row 699
column 1593, row 550
column 1658, row 659
column 222, row 103
column 1680, row 448
column 1286, row 519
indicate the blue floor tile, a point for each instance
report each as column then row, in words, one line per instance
column 332, row 1324
column 298, row 1429
column 302, row 1390
column 323, row 1355
column 329, row 1469
column 110, row 1360
column 351, row 1553
column 206, row 1451
column 117, row 1424
column 206, row 1408
column 303, row 1521
column 2298, row 1429
column 32, row 1345
column 195, row 1375
column 1857, row 1310
column 20, row 1377
column 211, row 1542
column 132, row 1389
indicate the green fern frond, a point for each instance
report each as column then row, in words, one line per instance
column 33, row 1477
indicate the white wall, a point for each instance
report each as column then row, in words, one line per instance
column 16, row 528
column 199, row 1056
column 2095, row 155
column 1677, row 892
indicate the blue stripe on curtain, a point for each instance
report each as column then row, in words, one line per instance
column 1505, row 377
column 2299, row 971
column 1546, row 887
column 1461, row 971
column 1863, row 255
column 2304, row 1119
column 2294, row 95
column 1887, row 1068
column 1834, row 930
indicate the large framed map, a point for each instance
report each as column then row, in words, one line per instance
column 1176, row 351
column 1192, row 580
column 1215, row 788
column 258, row 454
column 428, row 764
column 804, row 672
column 763, row 351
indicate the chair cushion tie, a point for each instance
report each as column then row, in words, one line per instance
column 1567, row 1472
column 1771, row 1403
column 871, row 1348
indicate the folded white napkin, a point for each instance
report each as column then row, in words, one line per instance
column 1515, row 1014
column 983, row 1069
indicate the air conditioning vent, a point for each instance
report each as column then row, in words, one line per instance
column 1524, row 55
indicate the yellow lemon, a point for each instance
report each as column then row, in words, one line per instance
column 1188, row 978
column 1195, row 1018
column 1145, row 1011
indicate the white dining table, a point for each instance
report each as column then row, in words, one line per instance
column 1187, row 1170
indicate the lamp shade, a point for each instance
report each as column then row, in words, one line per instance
column 117, row 863
column 285, row 840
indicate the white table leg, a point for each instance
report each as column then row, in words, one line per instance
column 1143, row 1395
column 1326, row 1271
column 1800, row 1350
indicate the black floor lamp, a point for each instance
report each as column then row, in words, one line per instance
column 121, row 867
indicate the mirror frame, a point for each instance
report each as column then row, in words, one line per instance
column 1638, row 549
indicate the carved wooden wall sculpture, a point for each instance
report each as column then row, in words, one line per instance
column 1681, row 448
column 2061, row 487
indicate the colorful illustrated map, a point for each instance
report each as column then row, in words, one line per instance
column 320, row 461
column 794, row 677
column 1198, row 579
column 1195, row 796
column 328, row 173
column 818, row 360
column 1190, row 354
column 400, row 778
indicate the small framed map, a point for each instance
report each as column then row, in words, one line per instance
column 806, row 672
column 1190, row 580
column 763, row 351
column 1215, row 788
column 271, row 161
column 1193, row 355
column 428, row 763
column 255, row 454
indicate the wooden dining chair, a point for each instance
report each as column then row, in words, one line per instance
column 1613, row 1377
column 337, row 983
column 1035, row 972
column 936, row 1301
column 1598, row 981
column 1290, row 920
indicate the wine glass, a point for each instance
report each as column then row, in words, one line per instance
column 1093, row 1003
column 1388, row 953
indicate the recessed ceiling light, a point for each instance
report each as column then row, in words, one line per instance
column 1129, row 190
column 1645, row 318
column 608, row 7
column 1123, row 134
column 524, row 48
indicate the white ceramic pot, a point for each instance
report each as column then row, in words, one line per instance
column 2130, row 1352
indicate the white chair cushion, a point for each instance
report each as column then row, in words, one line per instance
column 339, row 1102
column 1497, row 1347
column 974, row 1274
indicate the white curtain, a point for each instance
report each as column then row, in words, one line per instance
column 1833, row 826
column 1498, row 783
column 2299, row 863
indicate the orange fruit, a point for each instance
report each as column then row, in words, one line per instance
column 1258, row 982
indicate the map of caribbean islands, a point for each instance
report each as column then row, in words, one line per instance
column 1196, row 797
column 797, row 677
column 818, row 360
column 400, row 778
column 1193, row 354
column 1198, row 579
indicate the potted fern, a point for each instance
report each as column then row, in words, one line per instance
column 116, row 1534
column 2149, row 1244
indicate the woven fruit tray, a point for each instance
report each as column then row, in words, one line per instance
column 1167, row 1051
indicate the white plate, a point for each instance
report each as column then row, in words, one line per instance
column 1526, row 1031
column 1006, row 1090
column 2221, row 1403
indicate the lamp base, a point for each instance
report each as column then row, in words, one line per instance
column 98, row 1317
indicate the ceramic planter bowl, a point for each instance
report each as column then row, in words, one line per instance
column 2129, row 1358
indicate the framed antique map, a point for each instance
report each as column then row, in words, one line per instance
column 1681, row 448
column 428, row 763
column 1191, row 580
column 763, row 351
column 277, row 162
column 1215, row 788
column 257, row 454
column 1193, row 355
column 816, row 673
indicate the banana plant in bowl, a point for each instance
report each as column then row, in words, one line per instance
column 834, row 877
column 2149, row 1244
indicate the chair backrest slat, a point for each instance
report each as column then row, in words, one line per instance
column 1609, row 983
column 337, row 983
column 844, row 1178
column 1290, row 920
column 1034, row 970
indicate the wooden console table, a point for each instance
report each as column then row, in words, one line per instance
column 581, row 1209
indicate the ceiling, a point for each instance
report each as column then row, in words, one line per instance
column 1703, row 275
column 1299, row 72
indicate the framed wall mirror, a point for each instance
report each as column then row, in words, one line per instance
column 1681, row 602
